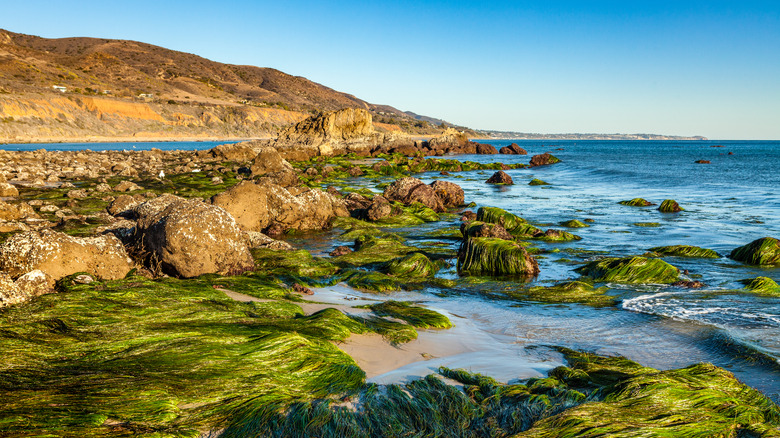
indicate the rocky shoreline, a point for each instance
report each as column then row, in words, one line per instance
column 116, row 313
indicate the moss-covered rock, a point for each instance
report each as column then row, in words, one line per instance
column 489, row 256
column 685, row 251
column 762, row 285
column 538, row 182
column 567, row 292
column 371, row 249
column 514, row 224
column 484, row 229
column 574, row 223
column 630, row 270
column 670, row 206
column 637, row 202
column 553, row 235
column 764, row 251
column 414, row 265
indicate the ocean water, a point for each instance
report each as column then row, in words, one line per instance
column 728, row 203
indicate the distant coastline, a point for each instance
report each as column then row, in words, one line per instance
column 510, row 135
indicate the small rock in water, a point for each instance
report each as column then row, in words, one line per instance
column 689, row 284
column 702, row 161
column 340, row 251
column 500, row 177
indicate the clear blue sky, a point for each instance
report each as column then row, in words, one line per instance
column 669, row 67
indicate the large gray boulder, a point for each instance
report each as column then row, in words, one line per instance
column 189, row 238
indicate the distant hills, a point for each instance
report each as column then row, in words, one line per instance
column 76, row 89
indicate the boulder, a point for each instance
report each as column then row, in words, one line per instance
column 543, row 160
column 514, row 224
column 380, row 208
column 762, row 252
column 8, row 190
column 13, row 212
column 340, row 251
column 500, row 177
column 489, row 256
column 637, row 202
column 262, row 205
column 486, row 149
column 59, row 255
column 123, row 204
column 408, row 190
column 238, row 152
column 270, row 165
column 356, row 201
column 483, row 229
column 77, row 194
column 468, row 215
column 512, row 149
column 152, row 207
column 451, row 194
column 190, row 238
column 127, row 186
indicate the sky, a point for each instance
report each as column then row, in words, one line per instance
column 665, row 67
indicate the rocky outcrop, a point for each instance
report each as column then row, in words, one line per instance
column 190, row 238
column 329, row 133
column 512, row 149
column 58, row 255
column 543, row 160
column 13, row 212
column 408, row 190
column 500, row 177
column 238, row 152
column 269, row 164
column 262, row 205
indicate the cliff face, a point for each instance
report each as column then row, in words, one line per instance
column 58, row 118
column 82, row 88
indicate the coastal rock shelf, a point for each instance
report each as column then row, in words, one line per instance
column 237, row 291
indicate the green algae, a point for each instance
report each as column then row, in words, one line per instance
column 646, row 224
column 414, row 265
column 395, row 332
column 670, row 206
column 574, row 223
column 491, row 256
column 372, row 281
column 514, row 224
column 685, row 251
column 559, row 236
column 567, row 292
column 762, row 252
column 292, row 264
column 762, row 285
column 416, row 316
column 636, row 202
column 371, row 249
column 630, row 270
column 538, row 182
column 161, row 358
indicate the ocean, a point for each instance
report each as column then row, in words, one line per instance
column 729, row 202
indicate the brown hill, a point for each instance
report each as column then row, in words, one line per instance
column 118, row 88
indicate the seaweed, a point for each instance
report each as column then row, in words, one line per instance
column 567, row 292
column 514, row 224
column 762, row 285
column 670, row 206
column 416, row 316
column 491, row 256
column 762, row 252
column 630, row 270
column 574, row 223
column 685, row 251
column 637, row 202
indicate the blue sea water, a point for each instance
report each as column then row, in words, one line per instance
column 728, row 203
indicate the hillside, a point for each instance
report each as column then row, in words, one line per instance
column 118, row 89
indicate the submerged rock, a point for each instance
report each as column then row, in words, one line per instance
column 59, row 255
column 543, row 160
column 764, row 251
column 670, row 206
column 688, row 284
column 500, row 177
column 762, row 285
column 490, row 256
column 559, row 236
column 538, row 182
column 685, row 251
column 574, row 223
column 630, row 270
column 637, row 202
column 190, row 238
